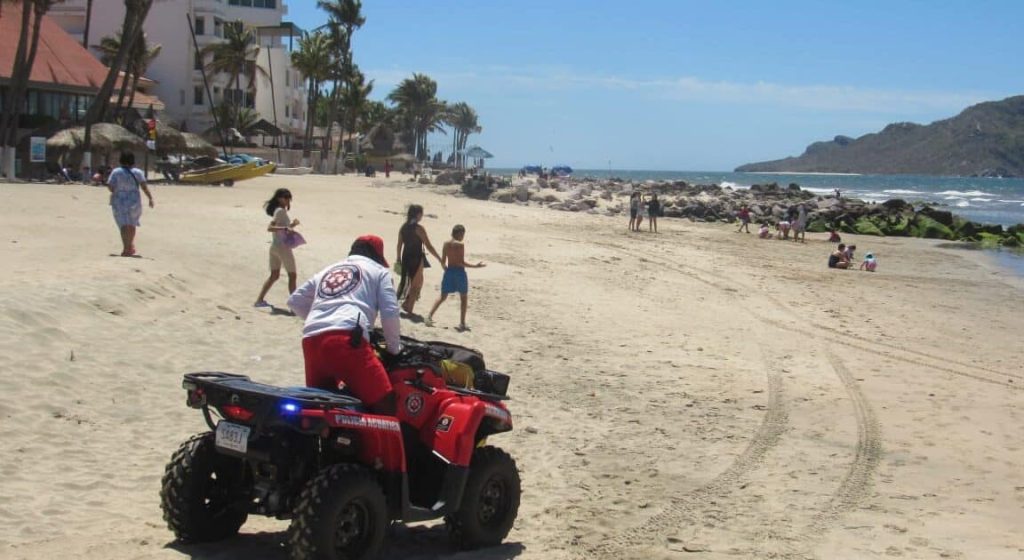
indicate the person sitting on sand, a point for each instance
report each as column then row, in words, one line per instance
column 869, row 264
column 339, row 306
column 455, row 281
column 783, row 228
column 849, row 253
column 764, row 232
column 833, row 236
column 744, row 216
column 838, row 258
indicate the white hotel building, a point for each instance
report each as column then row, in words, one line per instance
column 179, row 83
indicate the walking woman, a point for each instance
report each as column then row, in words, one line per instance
column 124, row 185
column 280, row 253
column 411, row 240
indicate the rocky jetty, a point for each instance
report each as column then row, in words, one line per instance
column 713, row 203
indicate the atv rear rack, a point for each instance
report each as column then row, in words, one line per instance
column 242, row 388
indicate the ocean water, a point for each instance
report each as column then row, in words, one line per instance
column 985, row 200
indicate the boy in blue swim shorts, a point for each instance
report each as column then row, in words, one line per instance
column 455, row 281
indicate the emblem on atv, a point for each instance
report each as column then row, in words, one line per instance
column 414, row 404
column 339, row 281
column 444, row 423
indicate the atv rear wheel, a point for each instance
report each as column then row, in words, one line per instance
column 490, row 502
column 341, row 515
column 203, row 492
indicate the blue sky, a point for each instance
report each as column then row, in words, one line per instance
column 685, row 85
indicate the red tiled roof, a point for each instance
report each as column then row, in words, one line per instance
column 60, row 59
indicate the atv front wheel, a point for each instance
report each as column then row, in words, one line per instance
column 341, row 515
column 203, row 492
column 490, row 502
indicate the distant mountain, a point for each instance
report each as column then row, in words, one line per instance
column 986, row 139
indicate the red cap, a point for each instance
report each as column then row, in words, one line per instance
column 377, row 244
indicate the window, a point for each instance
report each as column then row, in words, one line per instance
column 200, row 26
column 199, row 61
column 182, row 92
column 272, row 4
column 287, row 113
column 198, row 95
column 287, row 78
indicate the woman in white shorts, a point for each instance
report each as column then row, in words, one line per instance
column 280, row 254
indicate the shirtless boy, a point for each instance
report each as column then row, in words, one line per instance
column 455, row 280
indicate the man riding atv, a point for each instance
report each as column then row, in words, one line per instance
column 340, row 306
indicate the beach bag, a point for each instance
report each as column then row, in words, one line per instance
column 293, row 239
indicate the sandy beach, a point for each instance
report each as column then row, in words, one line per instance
column 697, row 393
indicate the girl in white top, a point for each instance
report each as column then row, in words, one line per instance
column 280, row 254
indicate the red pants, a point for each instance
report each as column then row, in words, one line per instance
column 330, row 359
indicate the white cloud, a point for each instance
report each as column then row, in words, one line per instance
column 840, row 98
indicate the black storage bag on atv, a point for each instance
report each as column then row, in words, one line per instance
column 484, row 380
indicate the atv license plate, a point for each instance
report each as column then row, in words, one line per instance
column 232, row 436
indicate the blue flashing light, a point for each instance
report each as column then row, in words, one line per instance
column 289, row 407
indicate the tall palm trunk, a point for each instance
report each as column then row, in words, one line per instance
column 19, row 88
column 134, row 16
column 119, row 107
column 88, row 23
column 137, row 75
column 9, row 119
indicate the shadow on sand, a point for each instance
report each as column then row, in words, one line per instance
column 406, row 543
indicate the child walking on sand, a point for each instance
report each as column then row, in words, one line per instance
column 455, row 280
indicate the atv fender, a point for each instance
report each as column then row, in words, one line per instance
column 458, row 422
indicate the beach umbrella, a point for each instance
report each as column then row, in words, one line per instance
column 196, row 145
column 105, row 137
column 476, row 152
column 169, row 140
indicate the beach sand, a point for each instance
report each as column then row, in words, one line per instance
column 698, row 393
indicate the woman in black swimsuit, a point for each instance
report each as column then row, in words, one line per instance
column 411, row 239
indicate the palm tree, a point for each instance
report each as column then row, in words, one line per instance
column 21, row 71
column 135, row 15
column 354, row 100
column 463, row 120
column 312, row 59
column 421, row 111
column 139, row 59
column 345, row 16
column 142, row 56
column 234, row 57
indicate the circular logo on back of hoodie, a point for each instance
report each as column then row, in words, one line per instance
column 339, row 281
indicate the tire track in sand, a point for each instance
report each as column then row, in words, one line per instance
column 857, row 481
column 687, row 509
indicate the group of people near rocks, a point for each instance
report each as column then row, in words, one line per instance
column 641, row 208
column 795, row 223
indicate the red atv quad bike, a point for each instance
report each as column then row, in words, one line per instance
column 340, row 473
